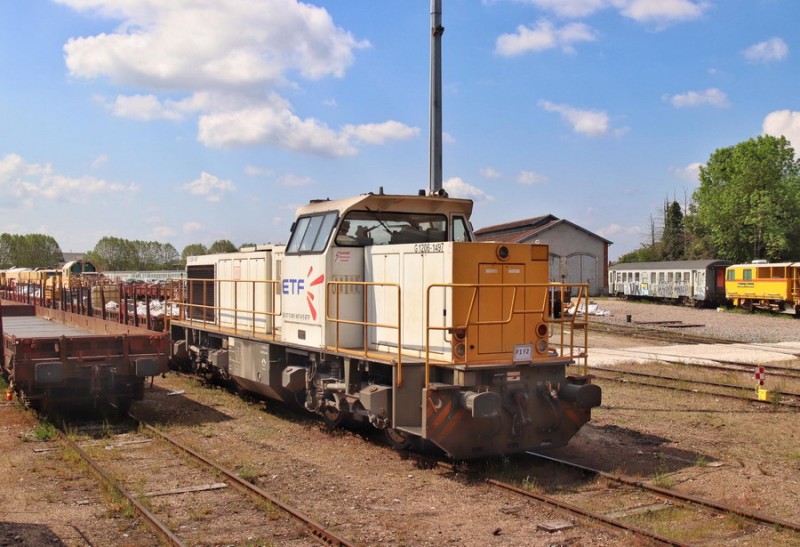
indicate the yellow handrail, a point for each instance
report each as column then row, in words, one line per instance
column 365, row 324
column 188, row 308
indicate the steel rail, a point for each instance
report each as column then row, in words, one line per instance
column 657, row 334
column 676, row 379
column 675, row 388
column 317, row 529
column 723, row 365
column 571, row 508
column 157, row 525
column 715, row 394
column 766, row 519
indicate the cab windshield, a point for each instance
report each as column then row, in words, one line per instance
column 364, row 228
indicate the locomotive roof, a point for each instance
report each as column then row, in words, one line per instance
column 670, row 265
column 387, row 202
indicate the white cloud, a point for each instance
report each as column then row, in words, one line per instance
column 189, row 227
column 378, row 133
column 256, row 171
column 711, row 97
column 99, row 160
column 295, row 180
column 661, row 12
column 784, row 123
column 490, row 173
column 543, row 36
column 457, row 188
column 215, row 43
column 30, row 181
column 593, row 123
column 530, row 177
column 271, row 124
column 569, row 8
column 143, row 108
column 774, row 49
column 224, row 62
column 690, row 172
column 162, row 232
column 209, row 186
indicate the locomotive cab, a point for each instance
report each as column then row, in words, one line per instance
column 382, row 309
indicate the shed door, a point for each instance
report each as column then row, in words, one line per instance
column 583, row 269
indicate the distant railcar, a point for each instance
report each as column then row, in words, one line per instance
column 760, row 285
column 690, row 282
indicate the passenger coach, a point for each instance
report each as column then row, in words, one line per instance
column 689, row 282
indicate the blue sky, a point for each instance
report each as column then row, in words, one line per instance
column 190, row 121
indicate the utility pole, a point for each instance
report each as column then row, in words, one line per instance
column 435, row 183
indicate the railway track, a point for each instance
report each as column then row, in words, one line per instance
column 189, row 499
column 708, row 375
column 644, row 510
column 647, row 332
column 717, row 389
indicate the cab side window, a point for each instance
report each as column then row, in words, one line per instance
column 311, row 234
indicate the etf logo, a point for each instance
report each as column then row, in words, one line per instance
column 297, row 286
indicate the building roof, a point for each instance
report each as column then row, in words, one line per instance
column 522, row 231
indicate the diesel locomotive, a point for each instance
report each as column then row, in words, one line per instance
column 382, row 309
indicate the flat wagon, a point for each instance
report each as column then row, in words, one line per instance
column 52, row 357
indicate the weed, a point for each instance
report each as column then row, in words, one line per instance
column 661, row 478
column 701, row 462
column 45, row 431
column 530, row 484
column 119, row 504
column 199, row 512
column 248, row 473
column 71, row 456
column 270, row 509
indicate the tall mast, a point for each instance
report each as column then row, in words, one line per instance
column 435, row 183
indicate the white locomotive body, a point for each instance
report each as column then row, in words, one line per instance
column 382, row 309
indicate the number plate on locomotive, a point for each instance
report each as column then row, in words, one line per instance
column 522, row 352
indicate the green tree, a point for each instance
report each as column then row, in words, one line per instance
column 29, row 251
column 193, row 249
column 113, row 253
column 748, row 201
column 646, row 253
column 673, row 238
column 169, row 257
column 222, row 246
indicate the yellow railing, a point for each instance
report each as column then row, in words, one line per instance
column 510, row 315
column 333, row 287
column 199, row 307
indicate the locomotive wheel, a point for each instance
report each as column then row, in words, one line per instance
column 400, row 440
column 331, row 412
column 123, row 405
